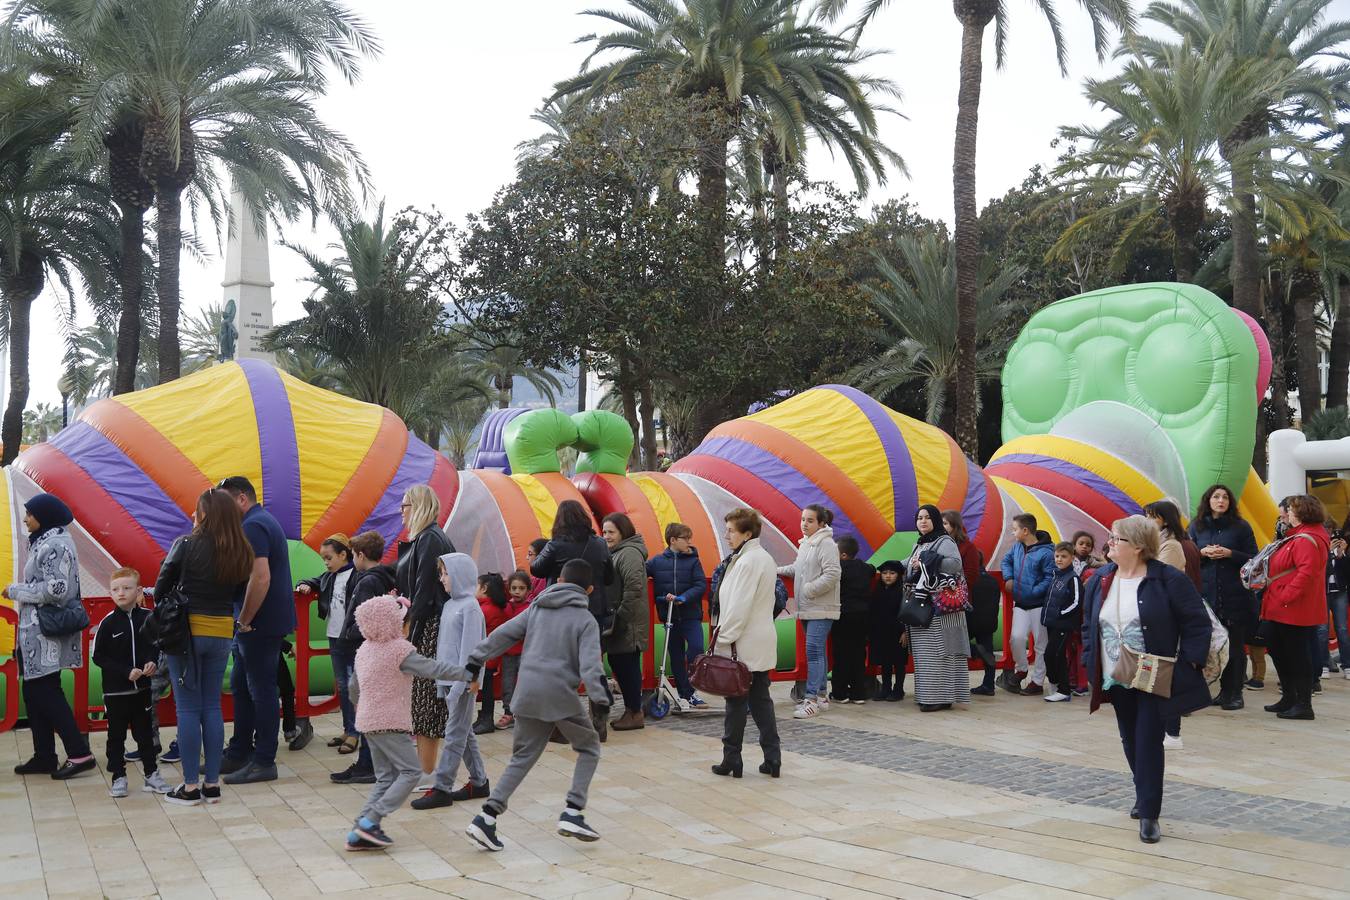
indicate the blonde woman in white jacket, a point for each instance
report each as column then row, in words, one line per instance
column 815, row 577
column 745, row 597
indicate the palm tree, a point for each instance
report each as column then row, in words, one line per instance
column 918, row 331
column 500, row 364
column 93, row 368
column 748, row 55
column 1291, row 34
column 376, row 322
column 557, row 115
column 55, row 226
column 460, row 429
column 206, row 98
column 40, row 423
column 1159, row 154
column 200, row 337
column 975, row 16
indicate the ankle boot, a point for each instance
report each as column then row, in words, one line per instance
column 728, row 766
column 1287, row 700
column 631, row 720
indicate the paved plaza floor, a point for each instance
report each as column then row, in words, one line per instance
column 1011, row 798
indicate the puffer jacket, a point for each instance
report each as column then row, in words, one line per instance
column 1221, row 579
column 855, row 588
column 815, row 576
column 548, row 565
column 1297, row 592
column 51, row 575
column 680, row 574
column 632, row 615
column 362, row 586
column 1028, row 572
column 418, row 578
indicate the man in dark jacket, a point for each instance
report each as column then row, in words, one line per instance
column 371, row 579
column 678, row 584
column 1028, row 568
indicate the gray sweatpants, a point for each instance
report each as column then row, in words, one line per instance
column 460, row 744
column 397, row 771
column 528, row 740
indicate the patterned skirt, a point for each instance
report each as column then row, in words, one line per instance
column 941, row 675
column 429, row 712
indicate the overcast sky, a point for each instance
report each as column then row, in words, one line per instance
column 438, row 116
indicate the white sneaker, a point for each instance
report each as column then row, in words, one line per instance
column 156, row 784
column 1345, row 673
column 808, row 710
column 1056, row 697
column 1325, row 671
column 1172, row 742
column 823, row 703
column 118, row 790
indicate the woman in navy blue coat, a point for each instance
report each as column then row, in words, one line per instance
column 1226, row 542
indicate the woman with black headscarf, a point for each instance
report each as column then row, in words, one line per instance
column 51, row 576
column 942, row 650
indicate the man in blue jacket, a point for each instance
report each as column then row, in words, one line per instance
column 1028, row 570
column 264, row 613
column 677, row 574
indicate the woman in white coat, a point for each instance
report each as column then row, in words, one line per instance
column 815, row 577
column 745, row 595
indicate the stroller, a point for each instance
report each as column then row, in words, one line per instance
column 666, row 698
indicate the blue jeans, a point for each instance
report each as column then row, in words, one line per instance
column 257, row 707
column 197, row 677
column 686, row 642
column 343, row 659
column 817, row 661
column 1342, row 624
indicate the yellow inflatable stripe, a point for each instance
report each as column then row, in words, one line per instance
column 929, row 454
column 540, row 499
column 1258, row 508
column 332, row 436
column 209, row 417
column 8, row 559
column 1136, row 486
column 833, row 426
column 1030, row 504
column 662, row 504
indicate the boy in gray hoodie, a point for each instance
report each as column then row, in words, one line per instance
column 462, row 629
column 561, row 649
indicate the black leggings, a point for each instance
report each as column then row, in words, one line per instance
column 627, row 669
column 49, row 715
column 1292, row 654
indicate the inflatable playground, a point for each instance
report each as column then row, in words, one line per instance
column 1112, row 400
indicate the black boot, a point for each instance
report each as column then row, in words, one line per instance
column 1288, row 699
column 728, row 766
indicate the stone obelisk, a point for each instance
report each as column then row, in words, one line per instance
column 248, row 280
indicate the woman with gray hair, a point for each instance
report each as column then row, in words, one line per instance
column 1139, row 605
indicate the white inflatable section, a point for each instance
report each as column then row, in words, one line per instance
column 1290, row 456
column 718, row 502
column 1134, row 438
column 476, row 527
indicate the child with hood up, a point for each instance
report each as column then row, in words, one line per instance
column 886, row 646
column 462, row 629
column 381, row 688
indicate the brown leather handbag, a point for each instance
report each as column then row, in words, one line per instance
column 720, row 676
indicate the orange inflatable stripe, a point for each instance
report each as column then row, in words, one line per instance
column 367, row 484
column 958, row 479
column 444, row 482
column 176, row 475
column 840, row 488
column 635, row 503
column 562, row 489
column 521, row 524
column 691, row 513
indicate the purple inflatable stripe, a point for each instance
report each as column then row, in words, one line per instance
column 977, row 499
column 787, row 480
column 125, row 482
column 276, row 445
column 415, row 468
column 1077, row 473
column 904, row 484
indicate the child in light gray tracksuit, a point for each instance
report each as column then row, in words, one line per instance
column 462, row 629
column 562, row 649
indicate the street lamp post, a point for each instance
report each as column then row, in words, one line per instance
column 66, row 387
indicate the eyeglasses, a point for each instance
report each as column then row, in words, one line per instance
column 1116, row 539
column 405, row 506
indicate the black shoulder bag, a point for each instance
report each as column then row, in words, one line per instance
column 167, row 625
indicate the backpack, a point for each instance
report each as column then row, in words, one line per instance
column 985, row 600
column 1219, row 650
column 1255, row 573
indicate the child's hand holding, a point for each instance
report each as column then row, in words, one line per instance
column 149, row 669
column 135, row 674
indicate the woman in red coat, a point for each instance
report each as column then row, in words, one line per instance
column 1295, row 602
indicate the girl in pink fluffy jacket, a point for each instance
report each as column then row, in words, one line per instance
column 382, row 691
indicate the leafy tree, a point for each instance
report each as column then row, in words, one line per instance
column 1292, row 36
column 376, row 322
column 461, row 430
column 55, row 227
column 975, row 16
column 917, row 335
column 40, row 423
column 208, row 100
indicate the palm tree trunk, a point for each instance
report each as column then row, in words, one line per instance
column 1244, row 271
column 1338, row 366
column 780, row 211
column 132, row 287
column 974, row 16
column 19, row 300
column 712, row 197
column 1279, row 350
column 169, row 228
column 1186, row 221
column 647, row 416
column 1305, row 344
column 504, row 384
